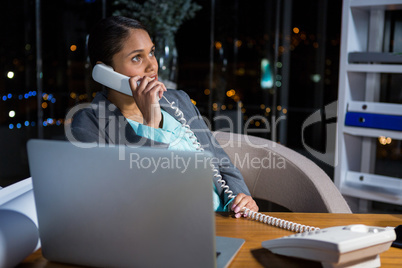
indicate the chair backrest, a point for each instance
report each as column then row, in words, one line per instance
column 280, row 175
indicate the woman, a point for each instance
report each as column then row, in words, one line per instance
column 143, row 119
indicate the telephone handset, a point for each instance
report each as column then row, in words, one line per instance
column 106, row 76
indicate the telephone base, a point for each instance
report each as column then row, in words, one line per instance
column 372, row 261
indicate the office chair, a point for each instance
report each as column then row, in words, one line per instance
column 282, row 176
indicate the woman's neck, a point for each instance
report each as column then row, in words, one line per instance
column 126, row 104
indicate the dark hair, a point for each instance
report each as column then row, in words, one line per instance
column 107, row 37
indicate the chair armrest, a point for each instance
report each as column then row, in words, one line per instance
column 280, row 175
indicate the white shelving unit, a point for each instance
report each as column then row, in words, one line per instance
column 359, row 88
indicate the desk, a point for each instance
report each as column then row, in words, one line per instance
column 253, row 255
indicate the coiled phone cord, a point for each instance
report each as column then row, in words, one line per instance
column 180, row 116
column 291, row 226
column 288, row 225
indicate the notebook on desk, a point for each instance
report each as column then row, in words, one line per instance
column 120, row 206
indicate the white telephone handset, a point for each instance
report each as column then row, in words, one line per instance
column 108, row 77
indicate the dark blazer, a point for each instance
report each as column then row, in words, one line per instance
column 102, row 122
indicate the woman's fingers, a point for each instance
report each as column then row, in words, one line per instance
column 147, row 85
column 145, row 92
column 242, row 201
column 133, row 81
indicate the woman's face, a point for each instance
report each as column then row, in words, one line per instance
column 137, row 56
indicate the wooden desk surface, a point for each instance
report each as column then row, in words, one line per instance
column 253, row 255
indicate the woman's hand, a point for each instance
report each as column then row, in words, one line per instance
column 241, row 201
column 146, row 96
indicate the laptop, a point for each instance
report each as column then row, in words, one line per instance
column 116, row 206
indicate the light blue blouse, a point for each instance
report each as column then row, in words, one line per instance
column 174, row 134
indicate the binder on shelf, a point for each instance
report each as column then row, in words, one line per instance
column 375, row 57
column 371, row 120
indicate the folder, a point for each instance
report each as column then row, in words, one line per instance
column 370, row 120
column 375, row 57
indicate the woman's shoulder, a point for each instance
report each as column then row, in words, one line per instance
column 84, row 117
column 90, row 112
